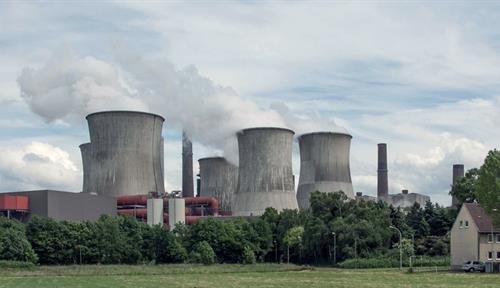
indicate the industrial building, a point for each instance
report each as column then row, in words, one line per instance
column 402, row 200
column 125, row 153
column 265, row 177
column 474, row 237
column 218, row 179
column 57, row 205
column 324, row 165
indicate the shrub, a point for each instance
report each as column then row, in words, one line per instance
column 14, row 246
column 203, row 253
column 386, row 262
column 5, row 264
column 248, row 255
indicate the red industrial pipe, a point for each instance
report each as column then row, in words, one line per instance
column 132, row 200
column 142, row 213
column 142, row 200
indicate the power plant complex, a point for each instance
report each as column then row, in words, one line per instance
column 123, row 173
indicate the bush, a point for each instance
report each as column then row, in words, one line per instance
column 248, row 256
column 203, row 253
column 15, row 247
column 5, row 264
column 385, row 262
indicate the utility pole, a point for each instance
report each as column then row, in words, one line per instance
column 400, row 248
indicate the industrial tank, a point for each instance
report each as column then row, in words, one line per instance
column 265, row 177
column 218, row 179
column 324, row 165
column 126, row 152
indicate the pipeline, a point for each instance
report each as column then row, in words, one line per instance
column 189, row 201
column 143, row 214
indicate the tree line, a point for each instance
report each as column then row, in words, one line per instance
column 334, row 229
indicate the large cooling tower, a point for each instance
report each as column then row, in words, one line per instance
column 219, row 179
column 265, row 171
column 382, row 178
column 126, row 152
column 324, row 165
column 458, row 172
column 88, row 185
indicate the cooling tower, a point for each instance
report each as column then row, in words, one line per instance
column 265, row 176
column 126, row 152
column 382, row 178
column 458, row 172
column 324, row 165
column 187, row 167
column 88, row 185
column 218, row 179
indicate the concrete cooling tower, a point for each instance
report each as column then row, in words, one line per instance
column 324, row 165
column 219, row 179
column 265, row 171
column 126, row 153
column 88, row 185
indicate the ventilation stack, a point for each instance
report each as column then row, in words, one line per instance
column 265, row 171
column 187, row 166
column 324, row 165
column 382, row 180
column 218, row 179
column 125, row 153
column 458, row 172
column 88, row 186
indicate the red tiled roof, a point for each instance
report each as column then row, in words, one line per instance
column 483, row 221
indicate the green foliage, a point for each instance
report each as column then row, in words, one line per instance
column 15, row 247
column 488, row 185
column 203, row 254
column 248, row 256
column 465, row 188
column 161, row 246
column 393, row 262
column 8, row 264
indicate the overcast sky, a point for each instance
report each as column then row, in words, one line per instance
column 422, row 77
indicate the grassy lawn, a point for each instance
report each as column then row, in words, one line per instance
column 265, row 275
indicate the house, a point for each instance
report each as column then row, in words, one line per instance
column 474, row 237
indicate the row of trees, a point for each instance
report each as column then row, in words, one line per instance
column 334, row 229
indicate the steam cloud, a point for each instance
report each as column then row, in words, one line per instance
column 68, row 86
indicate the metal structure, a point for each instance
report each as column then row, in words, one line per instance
column 382, row 180
column 324, row 165
column 176, row 212
column 187, row 166
column 154, row 210
column 218, row 179
column 458, row 172
column 265, row 177
column 125, row 153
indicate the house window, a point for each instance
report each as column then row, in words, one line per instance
column 490, row 238
column 461, row 224
column 490, row 255
column 498, row 255
column 466, row 224
column 498, row 238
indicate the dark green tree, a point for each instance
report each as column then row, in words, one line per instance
column 488, row 185
column 465, row 188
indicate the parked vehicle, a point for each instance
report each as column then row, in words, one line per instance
column 472, row 266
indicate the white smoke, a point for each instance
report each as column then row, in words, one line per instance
column 210, row 113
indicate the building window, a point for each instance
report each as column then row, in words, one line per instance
column 490, row 255
column 466, row 224
column 498, row 255
column 498, row 238
column 461, row 224
column 490, row 238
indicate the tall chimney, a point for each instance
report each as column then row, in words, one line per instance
column 187, row 166
column 382, row 181
column 458, row 172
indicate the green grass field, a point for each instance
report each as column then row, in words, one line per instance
column 265, row 275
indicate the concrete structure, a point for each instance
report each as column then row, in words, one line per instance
column 187, row 167
column 324, row 165
column 458, row 172
column 62, row 205
column 176, row 212
column 360, row 196
column 218, row 179
column 154, row 208
column 265, row 176
column 88, row 184
column 382, row 177
column 126, row 153
column 474, row 237
column 406, row 200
